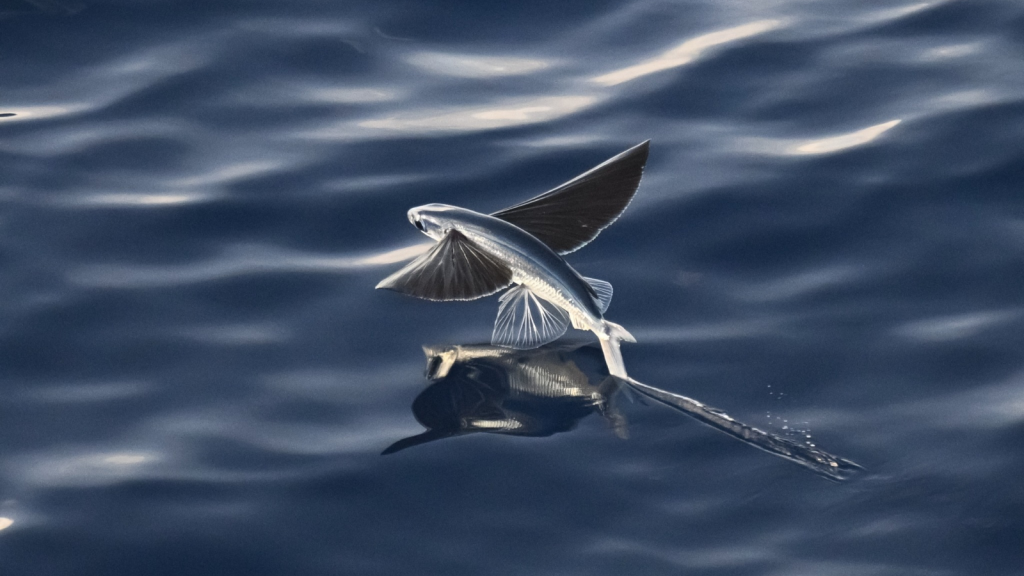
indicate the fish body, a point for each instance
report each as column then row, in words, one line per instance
column 532, row 263
column 522, row 246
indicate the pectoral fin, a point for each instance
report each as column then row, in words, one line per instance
column 571, row 215
column 526, row 321
column 454, row 269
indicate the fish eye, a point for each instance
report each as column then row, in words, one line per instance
column 419, row 225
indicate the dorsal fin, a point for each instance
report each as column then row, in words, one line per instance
column 570, row 216
column 454, row 269
column 603, row 290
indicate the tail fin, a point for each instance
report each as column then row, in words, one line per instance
column 610, row 347
column 618, row 332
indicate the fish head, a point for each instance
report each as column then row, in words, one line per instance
column 440, row 360
column 434, row 220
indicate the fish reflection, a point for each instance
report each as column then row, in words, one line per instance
column 548, row 390
column 499, row 390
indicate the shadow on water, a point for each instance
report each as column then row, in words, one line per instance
column 545, row 391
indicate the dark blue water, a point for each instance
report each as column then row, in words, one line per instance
column 197, row 199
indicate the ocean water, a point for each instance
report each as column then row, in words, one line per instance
column 198, row 377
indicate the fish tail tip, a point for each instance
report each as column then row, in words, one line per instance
column 617, row 331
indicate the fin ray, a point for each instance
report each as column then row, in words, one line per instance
column 603, row 290
column 578, row 322
column 525, row 321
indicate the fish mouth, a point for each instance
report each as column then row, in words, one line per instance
column 417, row 221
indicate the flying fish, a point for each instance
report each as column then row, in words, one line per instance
column 522, row 247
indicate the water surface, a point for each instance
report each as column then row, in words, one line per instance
column 196, row 200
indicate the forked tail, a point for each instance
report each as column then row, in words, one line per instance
column 610, row 346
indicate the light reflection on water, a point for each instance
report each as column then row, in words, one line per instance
column 129, row 200
column 500, row 114
column 825, row 145
column 526, row 110
column 475, row 66
column 686, row 52
column 236, row 261
column 843, row 141
column 88, row 469
column 956, row 327
column 29, row 113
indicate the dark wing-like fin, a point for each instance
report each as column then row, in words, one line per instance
column 570, row 216
column 454, row 269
